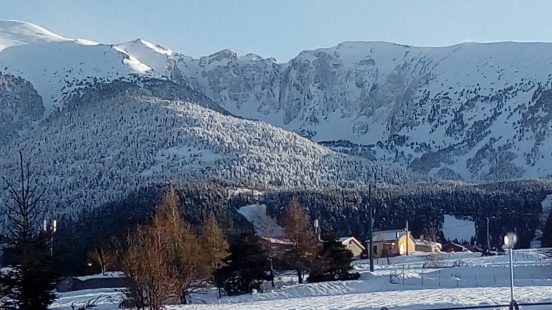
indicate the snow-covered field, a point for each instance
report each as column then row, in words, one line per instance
column 413, row 282
column 461, row 230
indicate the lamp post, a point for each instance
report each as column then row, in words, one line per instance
column 509, row 242
column 371, row 232
column 50, row 228
column 316, row 225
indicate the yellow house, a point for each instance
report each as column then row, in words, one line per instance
column 392, row 243
column 353, row 245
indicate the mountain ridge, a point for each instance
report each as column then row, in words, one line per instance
column 471, row 111
column 104, row 145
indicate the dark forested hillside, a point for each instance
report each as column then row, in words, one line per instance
column 100, row 226
column 511, row 206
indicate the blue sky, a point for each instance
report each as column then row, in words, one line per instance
column 282, row 28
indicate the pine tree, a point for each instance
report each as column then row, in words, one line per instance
column 299, row 232
column 245, row 268
column 30, row 283
column 334, row 261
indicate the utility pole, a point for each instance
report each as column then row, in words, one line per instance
column 371, row 210
column 488, row 236
column 407, row 238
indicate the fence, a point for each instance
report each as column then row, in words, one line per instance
column 528, row 306
column 440, row 278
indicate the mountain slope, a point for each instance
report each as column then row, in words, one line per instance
column 14, row 33
column 470, row 111
column 56, row 66
column 99, row 148
column 20, row 106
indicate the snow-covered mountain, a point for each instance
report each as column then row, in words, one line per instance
column 101, row 147
column 56, row 66
column 470, row 111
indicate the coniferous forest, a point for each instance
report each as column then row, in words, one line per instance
column 510, row 206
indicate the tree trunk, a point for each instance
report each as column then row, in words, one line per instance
column 101, row 259
column 183, row 299
column 300, row 276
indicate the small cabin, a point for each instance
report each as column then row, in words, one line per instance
column 276, row 245
column 454, row 247
column 428, row 246
column 353, row 245
column 392, row 243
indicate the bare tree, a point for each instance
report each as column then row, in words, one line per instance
column 269, row 233
column 299, row 232
column 164, row 259
column 183, row 249
column 151, row 278
column 214, row 242
column 107, row 255
column 215, row 245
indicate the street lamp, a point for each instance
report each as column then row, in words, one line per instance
column 509, row 242
column 316, row 225
column 50, row 228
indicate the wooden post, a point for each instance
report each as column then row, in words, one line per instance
column 407, row 238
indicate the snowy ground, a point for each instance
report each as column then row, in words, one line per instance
column 461, row 230
column 414, row 282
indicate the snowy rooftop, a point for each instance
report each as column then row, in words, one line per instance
column 387, row 235
column 277, row 241
column 355, row 240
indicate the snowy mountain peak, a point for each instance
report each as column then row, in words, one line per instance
column 221, row 56
column 57, row 67
column 467, row 111
column 13, row 33
column 133, row 47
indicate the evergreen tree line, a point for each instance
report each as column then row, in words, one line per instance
column 171, row 248
column 511, row 206
column 96, row 228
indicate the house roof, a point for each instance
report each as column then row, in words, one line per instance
column 344, row 240
column 456, row 245
column 388, row 235
column 427, row 243
column 277, row 241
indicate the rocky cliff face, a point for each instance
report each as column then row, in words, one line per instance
column 471, row 111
